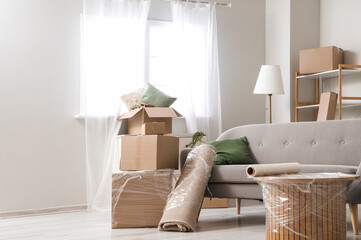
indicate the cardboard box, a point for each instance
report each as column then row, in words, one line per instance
column 153, row 128
column 320, row 59
column 139, row 197
column 327, row 108
column 139, row 116
column 215, row 203
column 149, row 152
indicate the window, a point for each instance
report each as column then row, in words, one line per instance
column 164, row 59
column 159, row 65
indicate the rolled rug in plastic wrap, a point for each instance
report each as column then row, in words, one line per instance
column 183, row 205
column 258, row 170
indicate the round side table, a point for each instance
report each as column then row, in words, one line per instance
column 305, row 206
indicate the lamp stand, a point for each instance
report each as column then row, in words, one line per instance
column 270, row 108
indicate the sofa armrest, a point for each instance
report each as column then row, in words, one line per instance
column 353, row 193
column 183, row 157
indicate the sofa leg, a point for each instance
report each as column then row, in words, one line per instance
column 354, row 217
column 238, row 205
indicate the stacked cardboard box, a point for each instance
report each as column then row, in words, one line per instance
column 145, row 148
column 141, row 188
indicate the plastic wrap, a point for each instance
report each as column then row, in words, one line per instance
column 305, row 206
column 184, row 203
column 139, row 197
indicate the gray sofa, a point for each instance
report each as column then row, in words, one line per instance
column 328, row 146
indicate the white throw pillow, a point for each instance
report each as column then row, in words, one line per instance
column 129, row 99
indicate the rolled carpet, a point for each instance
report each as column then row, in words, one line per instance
column 184, row 202
column 259, row 170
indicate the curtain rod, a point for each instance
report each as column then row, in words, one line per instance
column 205, row 2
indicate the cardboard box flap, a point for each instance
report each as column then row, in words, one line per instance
column 129, row 114
column 161, row 112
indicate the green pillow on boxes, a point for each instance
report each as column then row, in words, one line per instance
column 155, row 97
column 232, row 151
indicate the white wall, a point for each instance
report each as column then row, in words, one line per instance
column 305, row 34
column 338, row 27
column 291, row 25
column 241, row 44
column 278, row 53
column 42, row 156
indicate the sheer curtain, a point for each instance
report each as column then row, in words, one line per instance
column 112, row 64
column 197, row 70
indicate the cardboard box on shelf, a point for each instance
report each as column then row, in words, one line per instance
column 215, row 202
column 149, row 152
column 139, row 116
column 320, row 59
column 327, row 108
column 153, row 128
column 139, row 197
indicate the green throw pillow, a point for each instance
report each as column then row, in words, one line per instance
column 232, row 151
column 155, row 97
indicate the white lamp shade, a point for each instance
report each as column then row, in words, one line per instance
column 269, row 80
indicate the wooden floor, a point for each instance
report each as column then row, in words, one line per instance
column 213, row 224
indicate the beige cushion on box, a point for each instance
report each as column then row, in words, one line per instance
column 237, row 173
column 129, row 98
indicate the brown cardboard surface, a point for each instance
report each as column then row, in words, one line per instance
column 320, row 59
column 153, row 128
column 327, row 107
column 139, row 116
column 149, row 152
column 215, row 203
column 139, row 197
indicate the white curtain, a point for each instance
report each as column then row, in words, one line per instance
column 197, row 71
column 113, row 34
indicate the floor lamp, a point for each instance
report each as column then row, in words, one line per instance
column 269, row 82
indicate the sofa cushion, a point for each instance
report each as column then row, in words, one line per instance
column 237, row 173
column 232, row 151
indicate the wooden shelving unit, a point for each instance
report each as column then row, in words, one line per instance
column 343, row 70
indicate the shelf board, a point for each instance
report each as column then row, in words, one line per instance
column 308, row 106
column 329, row 74
column 317, row 105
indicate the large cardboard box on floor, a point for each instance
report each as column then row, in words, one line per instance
column 139, row 197
column 149, row 152
column 320, row 59
column 137, row 117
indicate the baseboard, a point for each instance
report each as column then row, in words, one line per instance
column 34, row 212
